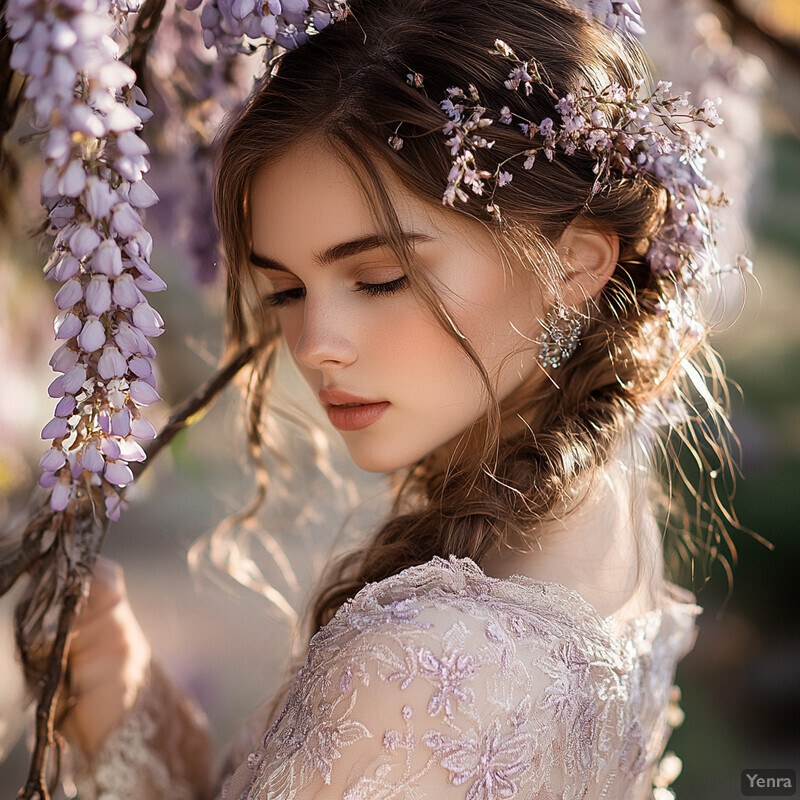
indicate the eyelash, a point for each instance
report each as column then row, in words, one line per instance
column 372, row 289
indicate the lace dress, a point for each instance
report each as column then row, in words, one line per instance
column 439, row 682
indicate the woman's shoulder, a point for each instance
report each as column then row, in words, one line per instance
column 429, row 600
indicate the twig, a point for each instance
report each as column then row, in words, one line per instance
column 147, row 21
column 197, row 404
column 743, row 23
column 10, row 90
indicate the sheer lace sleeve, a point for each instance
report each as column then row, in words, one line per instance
column 456, row 694
column 160, row 751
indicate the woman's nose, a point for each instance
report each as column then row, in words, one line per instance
column 324, row 339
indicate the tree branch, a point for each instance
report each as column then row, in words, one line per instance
column 147, row 21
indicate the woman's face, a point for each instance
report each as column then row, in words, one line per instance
column 383, row 345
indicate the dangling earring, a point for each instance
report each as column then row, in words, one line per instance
column 560, row 336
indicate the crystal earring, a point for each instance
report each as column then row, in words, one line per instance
column 560, row 336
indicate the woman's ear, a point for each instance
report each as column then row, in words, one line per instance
column 590, row 257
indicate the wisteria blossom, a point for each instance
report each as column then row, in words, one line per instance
column 93, row 189
column 289, row 23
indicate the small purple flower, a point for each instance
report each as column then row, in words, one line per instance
column 55, row 429
column 93, row 335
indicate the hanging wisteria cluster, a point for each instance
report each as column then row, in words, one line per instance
column 93, row 191
column 289, row 23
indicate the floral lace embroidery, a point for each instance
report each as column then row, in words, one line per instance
column 442, row 682
column 504, row 688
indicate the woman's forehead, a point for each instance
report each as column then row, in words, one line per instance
column 309, row 198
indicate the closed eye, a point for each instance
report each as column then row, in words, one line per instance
column 280, row 299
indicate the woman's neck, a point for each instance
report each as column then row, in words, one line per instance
column 593, row 548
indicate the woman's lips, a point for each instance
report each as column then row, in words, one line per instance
column 354, row 418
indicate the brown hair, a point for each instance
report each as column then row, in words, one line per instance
column 346, row 89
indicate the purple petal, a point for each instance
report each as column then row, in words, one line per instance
column 132, row 341
column 92, row 460
column 66, row 325
column 131, row 451
column 59, row 499
column 69, row 294
column 126, row 221
column 141, row 367
column 98, row 295
column 148, row 320
column 143, row 394
column 65, row 406
column 118, row 473
column 64, row 358
column 108, row 259
column 56, row 388
column 53, row 460
column 126, row 293
column 110, row 448
column 73, row 181
column 98, row 198
column 48, row 480
column 84, row 241
column 112, row 364
column 66, row 268
column 142, row 429
column 74, row 379
column 121, row 422
column 93, row 335
column 56, row 428
column 142, row 196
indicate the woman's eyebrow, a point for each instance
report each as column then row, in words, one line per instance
column 341, row 251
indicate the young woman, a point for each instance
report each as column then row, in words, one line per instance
column 510, row 357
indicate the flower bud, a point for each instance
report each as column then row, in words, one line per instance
column 125, row 220
column 59, row 499
column 99, row 197
column 66, row 325
column 69, row 294
column 126, row 294
column 121, row 422
column 112, row 364
column 143, row 394
column 98, row 295
column 118, row 473
column 63, row 359
column 73, row 181
column 142, row 429
column 84, row 241
column 142, row 196
column 148, row 320
column 132, row 341
column 65, row 406
column 108, row 259
column 55, row 429
column 93, row 335
column 53, row 460
column 92, row 460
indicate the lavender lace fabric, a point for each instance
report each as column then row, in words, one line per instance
column 442, row 682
